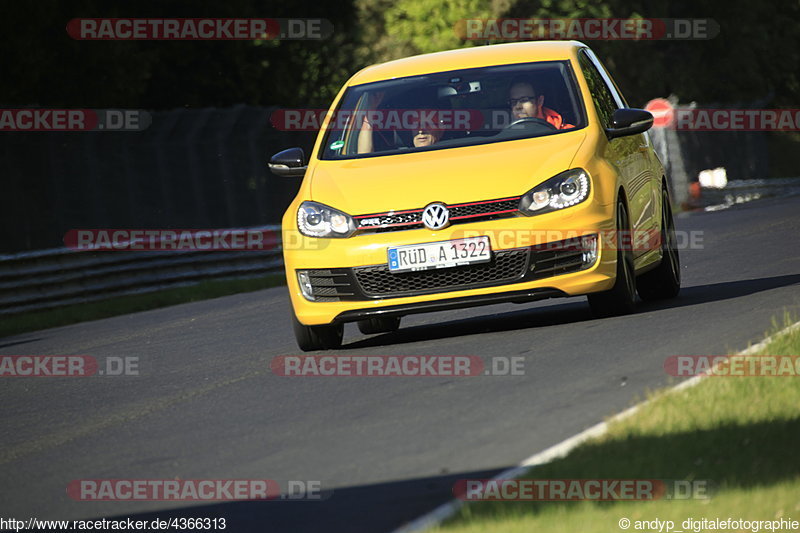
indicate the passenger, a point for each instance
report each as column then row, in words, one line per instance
column 365, row 140
column 524, row 102
column 422, row 137
column 365, row 143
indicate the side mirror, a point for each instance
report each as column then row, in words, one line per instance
column 629, row 122
column 289, row 163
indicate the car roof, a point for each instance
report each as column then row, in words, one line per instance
column 472, row 57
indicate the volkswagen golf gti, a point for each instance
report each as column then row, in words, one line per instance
column 504, row 173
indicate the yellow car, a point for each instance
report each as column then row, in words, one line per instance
column 504, row 173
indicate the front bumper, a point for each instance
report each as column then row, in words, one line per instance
column 354, row 281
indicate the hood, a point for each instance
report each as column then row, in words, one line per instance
column 452, row 175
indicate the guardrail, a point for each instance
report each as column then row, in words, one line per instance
column 740, row 191
column 45, row 279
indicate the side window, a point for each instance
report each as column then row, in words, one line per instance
column 603, row 99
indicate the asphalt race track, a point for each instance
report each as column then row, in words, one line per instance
column 206, row 405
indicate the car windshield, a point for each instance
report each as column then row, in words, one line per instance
column 454, row 109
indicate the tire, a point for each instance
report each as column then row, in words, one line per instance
column 621, row 298
column 665, row 280
column 312, row 338
column 379, row 325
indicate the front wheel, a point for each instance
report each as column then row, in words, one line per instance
column 312, row 338
column 621, row 298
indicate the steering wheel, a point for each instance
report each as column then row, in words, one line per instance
column 524, row 121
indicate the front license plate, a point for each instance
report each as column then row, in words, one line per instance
column 443, row 254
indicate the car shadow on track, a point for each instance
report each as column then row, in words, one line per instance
column 380, row 507
column 568, row 313
column 550, row 315
column 716, row 292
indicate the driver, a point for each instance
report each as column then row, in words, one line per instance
column 524, row 103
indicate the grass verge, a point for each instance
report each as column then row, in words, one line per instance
column 61, row 316
column 739, row 433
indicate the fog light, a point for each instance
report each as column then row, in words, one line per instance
column 589, row 247
column 305, row 284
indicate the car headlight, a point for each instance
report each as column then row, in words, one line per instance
column 319, row 220
column 564, row 190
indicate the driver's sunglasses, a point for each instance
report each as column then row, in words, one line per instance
column 512, row 102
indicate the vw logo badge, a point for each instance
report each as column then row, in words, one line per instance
column 435, row 216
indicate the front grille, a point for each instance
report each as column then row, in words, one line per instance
column 459, row 214
column 506, row 266
column 474, row 210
